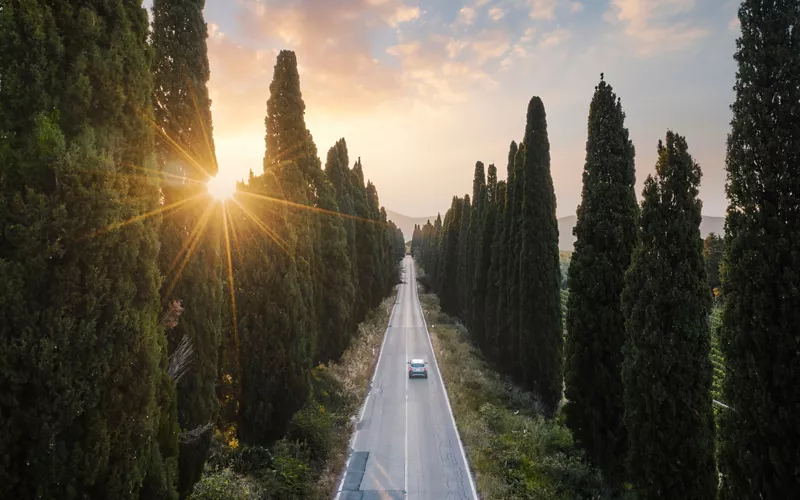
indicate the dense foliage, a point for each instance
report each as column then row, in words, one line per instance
column 120, row 337
column 82, row 355
column 183, row 114
column 156, row 343
column 667, row 370
column 761, row 269
column 606, row 235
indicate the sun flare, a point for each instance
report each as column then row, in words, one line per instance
column 221, row 188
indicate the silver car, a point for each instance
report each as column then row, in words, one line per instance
column 416, row 368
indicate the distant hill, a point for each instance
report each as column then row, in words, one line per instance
column 406, row 224
column 566, row 241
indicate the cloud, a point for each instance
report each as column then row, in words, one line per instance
column 496, row 13
column 466, row 16
column 554, row 38
column 575, row 7
column 403, row 14
column 444, row 70
column 657, row 25
column 489, row 44
column 542, row 9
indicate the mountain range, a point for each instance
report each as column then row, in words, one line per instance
column 566, row 241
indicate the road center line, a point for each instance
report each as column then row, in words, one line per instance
column 405, row 453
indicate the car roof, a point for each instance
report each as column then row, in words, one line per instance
column 417, row 360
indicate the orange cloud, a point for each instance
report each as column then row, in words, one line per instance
column 655, row 26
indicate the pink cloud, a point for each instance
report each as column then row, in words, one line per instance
column 656, row 25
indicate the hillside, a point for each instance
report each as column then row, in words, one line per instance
column 406, row 223
column 566, row 240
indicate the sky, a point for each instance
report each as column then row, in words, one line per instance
column 421, row 90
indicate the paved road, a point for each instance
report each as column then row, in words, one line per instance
column 406, row 444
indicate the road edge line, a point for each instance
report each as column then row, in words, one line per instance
column 366, row 398
column 444, row 388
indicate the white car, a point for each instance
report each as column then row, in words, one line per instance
column 416, row 368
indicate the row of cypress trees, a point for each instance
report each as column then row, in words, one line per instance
column 638, row 375
column 124, row 326
column 494, row 262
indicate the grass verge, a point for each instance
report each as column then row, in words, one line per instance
column 514, row 452
column 306, row 463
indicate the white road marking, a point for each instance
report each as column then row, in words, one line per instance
column 405, row 452
column 444, row 389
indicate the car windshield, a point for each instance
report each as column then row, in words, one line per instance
column 417, row 365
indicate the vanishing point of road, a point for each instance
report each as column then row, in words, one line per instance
column 406, row 445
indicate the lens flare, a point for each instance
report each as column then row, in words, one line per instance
column 221, row 188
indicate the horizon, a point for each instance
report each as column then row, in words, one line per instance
column 450, row 83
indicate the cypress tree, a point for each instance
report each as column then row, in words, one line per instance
column 761, row 320
column 463, row 257
column 505, row 356
column 483, row 257
column 713, row 250
column 82, row 355
column 667, row 370
column 365, row 242
column 540, row 331
column 276, row 324
column 475, row 234
column 448, row 257
column 335, row 312
column 606, row 235
column 494, row 279
column 337, row 170
column 434, row 250
column 275, row 354
column 183, row 112
column 291, row 156
column 376, row 231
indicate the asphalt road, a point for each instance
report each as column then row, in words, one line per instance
column 406, row 444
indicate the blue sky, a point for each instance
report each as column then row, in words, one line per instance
column 423, row 89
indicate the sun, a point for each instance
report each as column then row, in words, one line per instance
column 221, row 188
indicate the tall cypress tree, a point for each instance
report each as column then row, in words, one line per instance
column 475, row 235
column 505, row 355
column 366, row 243
column 335, row 304
column 606, row 235
column 82, row 355
column 277, row 304
column 463, row 256
column 761, row 320
column 448, row 257
column 494, row 280
column 482, row 257
column 376, row 229
column 185, row 151
column 337, row 170
column 540, row 330
column 667, row 370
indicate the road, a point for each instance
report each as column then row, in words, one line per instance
column 406, row 444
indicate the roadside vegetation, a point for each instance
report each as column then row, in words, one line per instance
column 306, row 462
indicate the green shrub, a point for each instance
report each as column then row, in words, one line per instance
column 312, row 425
column 291, row 470
column 224, row 484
